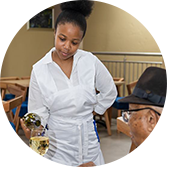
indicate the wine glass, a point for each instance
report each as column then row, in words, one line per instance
column 39, row 140
column 32, row 120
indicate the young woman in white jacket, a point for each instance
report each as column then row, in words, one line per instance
column 63, row 90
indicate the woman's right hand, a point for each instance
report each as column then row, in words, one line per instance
column 25, row 129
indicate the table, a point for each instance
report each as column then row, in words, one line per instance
column 124, row 128
column 22, row 82
column 18, row 161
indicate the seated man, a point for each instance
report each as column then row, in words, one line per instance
column 147, row 119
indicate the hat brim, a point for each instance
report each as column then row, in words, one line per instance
column 136, row 100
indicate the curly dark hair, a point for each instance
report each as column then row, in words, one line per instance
column 75, row 12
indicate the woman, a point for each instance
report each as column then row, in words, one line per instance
column 63, row 90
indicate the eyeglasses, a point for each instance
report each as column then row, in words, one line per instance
column 126, row 113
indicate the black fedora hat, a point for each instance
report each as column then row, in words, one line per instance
column 150, row 88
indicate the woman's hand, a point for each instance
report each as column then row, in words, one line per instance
column 25, row 129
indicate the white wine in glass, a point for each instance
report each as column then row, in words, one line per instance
column 39, row 140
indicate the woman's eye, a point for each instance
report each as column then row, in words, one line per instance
column 62, row 39
column 74, row 43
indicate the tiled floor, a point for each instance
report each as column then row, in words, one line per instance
column 113, row 147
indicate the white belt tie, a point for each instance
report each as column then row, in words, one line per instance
column 83, row 149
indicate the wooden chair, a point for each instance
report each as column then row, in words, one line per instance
column 123, row 126
column 7, row 128
column 108, row 114
column 3, row 86
column 5, row 95
column 118, row 87
column 25, row 77
column 18, row 90
column 131, row 86
column 118, row 105
column 119, row 79
column 106, row 122
column 15, row 91
column 9, row 78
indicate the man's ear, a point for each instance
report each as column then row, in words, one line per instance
column 152, row 120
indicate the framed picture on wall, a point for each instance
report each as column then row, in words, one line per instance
column 155, row 10
column 43, row 20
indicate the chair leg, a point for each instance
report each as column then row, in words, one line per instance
column 118, row 115
column 109, row 110
column 17, row 124
column 107, row 123
column 2, row 146
column 18, row 144
column 133, row 147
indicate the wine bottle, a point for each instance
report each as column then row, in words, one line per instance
column 32, row 120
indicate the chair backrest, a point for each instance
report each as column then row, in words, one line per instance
column 17, row 90
column 3, row 87
column 131, row 86
column 9, row 106
column 14, row 89
column 9, row 78
column 20, row 93
column 25, row 77
column 119, row 79
column 17, row 101
column 6, row 106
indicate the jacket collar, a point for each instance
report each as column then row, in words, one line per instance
column 48, row 57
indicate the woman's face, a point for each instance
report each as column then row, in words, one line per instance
column 67, row 40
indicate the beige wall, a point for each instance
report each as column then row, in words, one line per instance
column 21, row 48
column 165, row 39
column 57, row 11
column 114, row 25
column 112, row 29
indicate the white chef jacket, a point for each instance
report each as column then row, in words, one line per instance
column 66, row 105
